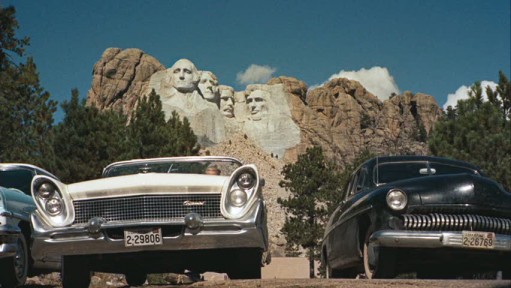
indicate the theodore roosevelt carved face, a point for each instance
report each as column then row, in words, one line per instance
column 227, row 101
column 184, row 76
column 208, row 86
column 256, row 102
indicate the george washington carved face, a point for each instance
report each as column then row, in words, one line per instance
column 184, row 76
column 257, row 101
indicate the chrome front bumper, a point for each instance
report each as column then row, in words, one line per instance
column 49, row 243
column 431, row 239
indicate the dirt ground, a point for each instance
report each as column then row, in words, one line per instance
column 351, row 283
column 281, row 273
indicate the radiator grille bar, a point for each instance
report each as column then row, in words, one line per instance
column 456, row 222
column 148, row 208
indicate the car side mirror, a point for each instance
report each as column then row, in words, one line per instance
column 262, row 182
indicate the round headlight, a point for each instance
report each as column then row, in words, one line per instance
column 238, row 198
column 46, row 190
column 397, row 199
column 54, row 206
column 246, row 181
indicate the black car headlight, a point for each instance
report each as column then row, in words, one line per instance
column 396, row 199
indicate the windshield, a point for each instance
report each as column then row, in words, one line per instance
column 390, row 172
column 18, row 179
column 211, row 167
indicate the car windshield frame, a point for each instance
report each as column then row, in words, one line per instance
column 222, row 166
column 430, row 168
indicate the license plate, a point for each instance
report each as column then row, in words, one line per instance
column 482, row 240
column 142, row 237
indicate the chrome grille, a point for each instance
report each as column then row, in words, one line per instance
column 456, row 222
column 148, row 208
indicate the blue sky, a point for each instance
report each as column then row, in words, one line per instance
column 433, row 47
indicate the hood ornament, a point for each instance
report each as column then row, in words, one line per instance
column 194, row 203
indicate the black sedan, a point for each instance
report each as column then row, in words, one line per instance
column 432, row 216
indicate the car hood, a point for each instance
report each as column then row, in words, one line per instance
column 459, row 189
column 146, row 184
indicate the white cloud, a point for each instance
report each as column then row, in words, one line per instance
column 462, row 93
column 376, row 80
column 255, row 74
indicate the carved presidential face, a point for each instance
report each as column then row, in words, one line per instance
column 184, row 76
column 227, row 102
column 208, row 86
column 256, row 102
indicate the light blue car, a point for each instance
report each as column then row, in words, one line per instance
column 16, row 204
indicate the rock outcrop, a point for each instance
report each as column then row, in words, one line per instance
column 282, row 116
column 120, row 77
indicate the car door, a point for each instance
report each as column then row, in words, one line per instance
column 342, row 247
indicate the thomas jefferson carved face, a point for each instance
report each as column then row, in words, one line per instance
column 256, row 102
column 184, row 76
column 227, row 101
column 208, row 86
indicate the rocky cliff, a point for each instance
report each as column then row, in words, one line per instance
column 341, row 116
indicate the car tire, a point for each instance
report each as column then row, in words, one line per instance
column 135, row 278
column 75, row 272
column 13, row 270
column 340, row 273
column 384, row 265
column 246, row 264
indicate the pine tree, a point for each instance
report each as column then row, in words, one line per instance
column 314, row 184
column 152, row 136
column 147, row 127
column 87, row 140
column 182, row 141
column 26, row 113
column 478, row 132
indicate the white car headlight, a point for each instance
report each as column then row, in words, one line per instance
column 238, row 197
column 49, row 197
column 396, row 199
column 241, row 192
column 46, row 190
column 54, row 206
column 246, row 180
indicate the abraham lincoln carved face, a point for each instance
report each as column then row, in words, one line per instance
column 256, row 102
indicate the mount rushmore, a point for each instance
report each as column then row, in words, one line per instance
column 282, row 117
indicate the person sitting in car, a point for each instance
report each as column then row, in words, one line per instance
column 212, row 170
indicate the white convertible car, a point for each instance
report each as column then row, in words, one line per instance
column 16, row 204
column 153, row 216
